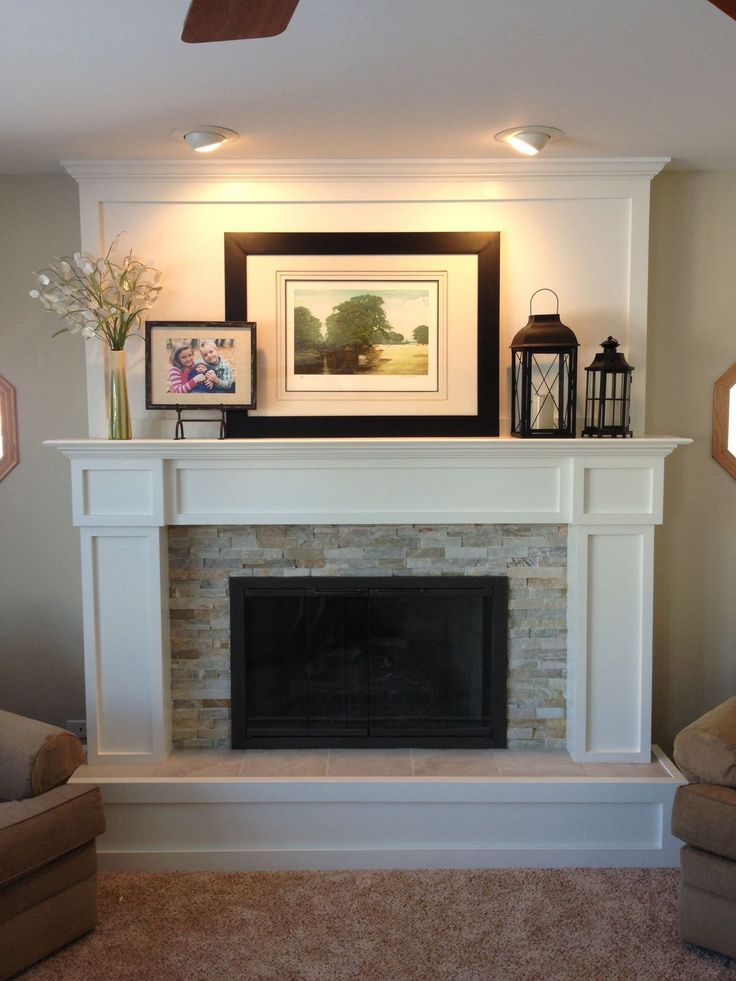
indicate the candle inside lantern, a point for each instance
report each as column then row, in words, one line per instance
column 543, row 412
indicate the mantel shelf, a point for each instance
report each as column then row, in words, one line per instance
column 489, row 448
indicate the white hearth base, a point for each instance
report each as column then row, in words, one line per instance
column 249, row 824
column 608, row 493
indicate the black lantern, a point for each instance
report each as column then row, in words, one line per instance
column 544, row 376
column 608, row 393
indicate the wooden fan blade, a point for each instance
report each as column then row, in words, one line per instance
column 236, row 20
column 727, row 6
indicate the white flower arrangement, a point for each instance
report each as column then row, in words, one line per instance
column 97, row 297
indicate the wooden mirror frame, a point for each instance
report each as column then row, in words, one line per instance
column 8, row 428
column 721, row 408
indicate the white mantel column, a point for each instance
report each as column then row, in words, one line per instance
column 608, row 493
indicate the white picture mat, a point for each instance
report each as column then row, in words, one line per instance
column 432, row 287
column 457, row 393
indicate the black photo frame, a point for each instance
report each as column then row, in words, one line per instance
column 485, row 245
column 235, row 340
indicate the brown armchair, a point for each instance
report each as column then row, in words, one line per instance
column 48, row 860
column 704, row 816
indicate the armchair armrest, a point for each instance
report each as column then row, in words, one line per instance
column 34, row 756
column 705, row 750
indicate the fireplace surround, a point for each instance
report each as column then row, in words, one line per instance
column 531, row 558
column 126, row 496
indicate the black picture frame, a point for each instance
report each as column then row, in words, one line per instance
column 485, row 245
column 242, row 335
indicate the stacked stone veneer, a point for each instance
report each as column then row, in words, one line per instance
column 534, row 557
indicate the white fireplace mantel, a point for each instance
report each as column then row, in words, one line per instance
column 608, row 492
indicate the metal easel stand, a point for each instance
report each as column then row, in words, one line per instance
column 179, row 429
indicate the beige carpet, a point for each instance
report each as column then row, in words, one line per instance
column 602, row 924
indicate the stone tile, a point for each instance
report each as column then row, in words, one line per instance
column 454, row 763
column 284, row 763
column 532, row 763
column 369, row 763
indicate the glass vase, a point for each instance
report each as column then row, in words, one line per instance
column 118, row 411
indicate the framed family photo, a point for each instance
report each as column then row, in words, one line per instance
column 368, row 334
column 200, row 364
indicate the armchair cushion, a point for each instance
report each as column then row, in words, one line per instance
column 36, row 831
column 34, row 757
column 704, row 815
column 705, row 751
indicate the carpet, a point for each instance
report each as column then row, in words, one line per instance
column 463, row 925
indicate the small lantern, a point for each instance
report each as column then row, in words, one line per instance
column 544, row 376
column 608, row 393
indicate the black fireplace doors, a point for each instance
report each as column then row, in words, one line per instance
column 368, row 661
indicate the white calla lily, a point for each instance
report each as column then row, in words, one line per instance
column 98, row 297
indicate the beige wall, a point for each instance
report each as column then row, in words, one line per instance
column 41, row 664
column 692, row 340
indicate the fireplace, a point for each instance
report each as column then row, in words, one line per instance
column 389, row 661
column 241, row 502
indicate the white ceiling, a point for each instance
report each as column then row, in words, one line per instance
column 105, row 79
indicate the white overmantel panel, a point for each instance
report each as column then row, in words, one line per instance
column 578, row 226
column 608, row 493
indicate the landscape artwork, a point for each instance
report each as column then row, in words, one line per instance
column 363, row 335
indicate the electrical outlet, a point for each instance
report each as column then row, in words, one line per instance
column 78, row 727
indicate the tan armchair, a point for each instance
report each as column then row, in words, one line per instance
column 704, row 816
column 48, row 860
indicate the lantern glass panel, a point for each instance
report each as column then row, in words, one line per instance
column 547, row 383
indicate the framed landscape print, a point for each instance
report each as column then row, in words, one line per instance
column 368, row 334
column 200, row 364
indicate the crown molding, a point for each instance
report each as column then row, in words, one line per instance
column 314, row 170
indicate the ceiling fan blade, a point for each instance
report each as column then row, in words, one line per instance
column 236, row 20
column 727, row 6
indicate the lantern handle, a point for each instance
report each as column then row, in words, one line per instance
column 544, row 289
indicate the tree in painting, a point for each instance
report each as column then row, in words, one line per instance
column 353, row 328
column 308, row 340
column 421, row 334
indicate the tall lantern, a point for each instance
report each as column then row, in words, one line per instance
column 544, row 376
column 608, row 393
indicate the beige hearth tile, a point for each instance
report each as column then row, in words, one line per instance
column 454, row 763
column 109, row 770
column 542, row 763
column 649, row 771
column 369, row 763
column 201, row 763
column 284, row 763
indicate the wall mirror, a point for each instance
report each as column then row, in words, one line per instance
column 724, row 421
column 8, row 428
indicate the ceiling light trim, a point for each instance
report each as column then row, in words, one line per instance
column 205, row 137
column 529, row 140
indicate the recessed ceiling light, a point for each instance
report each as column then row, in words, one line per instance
column 205, row 139
column 528, row 139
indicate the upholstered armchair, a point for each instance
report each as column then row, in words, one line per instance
column 48, row 860
column 704, row 816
